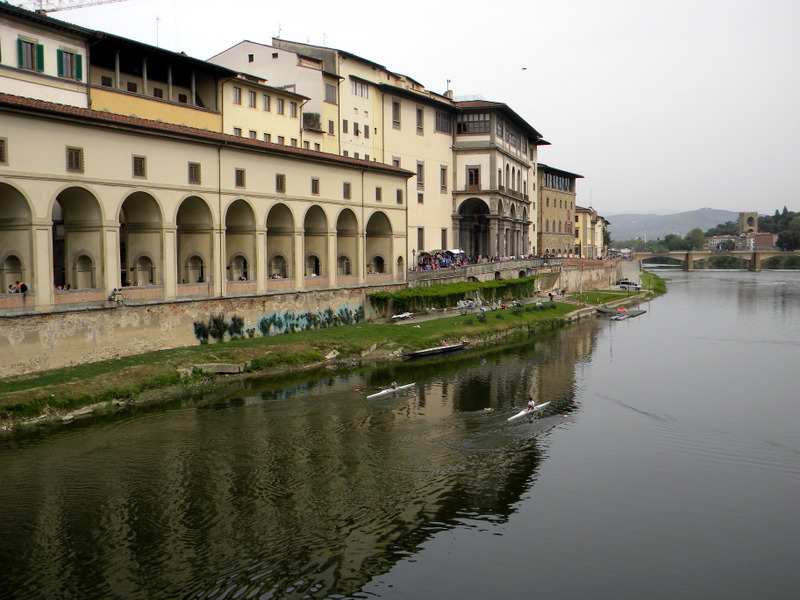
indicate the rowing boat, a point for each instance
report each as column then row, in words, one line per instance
column 527, row 413
column 390, row 390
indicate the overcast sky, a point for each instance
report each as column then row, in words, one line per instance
column 662, row 106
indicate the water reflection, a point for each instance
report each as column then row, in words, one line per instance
column 303, row 490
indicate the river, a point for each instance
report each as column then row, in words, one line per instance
column 667, row 467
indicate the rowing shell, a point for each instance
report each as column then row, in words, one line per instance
column 527, row 413
column 388, row 391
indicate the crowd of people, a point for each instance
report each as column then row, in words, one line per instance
column 449, row 260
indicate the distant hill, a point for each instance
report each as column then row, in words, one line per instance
column 630, row 226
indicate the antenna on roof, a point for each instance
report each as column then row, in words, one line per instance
column 279, row 31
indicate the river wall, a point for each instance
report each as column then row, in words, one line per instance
column 54, row 340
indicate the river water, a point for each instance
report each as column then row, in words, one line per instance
column 668, row 467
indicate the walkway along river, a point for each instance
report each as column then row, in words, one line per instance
column 669, row 467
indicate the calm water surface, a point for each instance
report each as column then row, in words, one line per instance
column 669, row 468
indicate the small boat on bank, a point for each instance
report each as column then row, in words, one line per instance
column 618, row 315
column 390, row 390
column 527, row 413
column 435, row 350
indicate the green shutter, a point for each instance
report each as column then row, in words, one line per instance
column 78, row 67
column 20, row 53
column 39, row 58
column 60, row 61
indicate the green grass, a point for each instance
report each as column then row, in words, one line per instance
column 599, row 297
column 654, row 283
column 125, row 378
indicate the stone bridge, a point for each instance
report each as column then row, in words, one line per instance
column 753, row 257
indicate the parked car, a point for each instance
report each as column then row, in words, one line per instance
column 627, row 283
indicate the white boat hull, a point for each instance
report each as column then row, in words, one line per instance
column 389, row 391
column 527, row 413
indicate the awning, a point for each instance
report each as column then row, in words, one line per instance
column 457, row 251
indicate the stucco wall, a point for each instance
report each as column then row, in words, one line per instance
column 48, row 341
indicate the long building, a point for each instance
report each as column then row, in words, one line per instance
column 283, row 167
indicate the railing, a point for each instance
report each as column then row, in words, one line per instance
column 483, row 268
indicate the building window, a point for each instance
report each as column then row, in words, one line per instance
column 420, row 238
column 356, row 130
column 359, row 88
column 158, row 92
column 344, row 126
column 133, row 87
column 345, row 153
column 268, row 137
column 265, row 100
column 316, row 147
column 443, row 122
column 293, row 142
column 69, row 64
column 355, row 155
column 280, row 182
column 346, row 190
column 420, row 175
column 183, row 98
column 75, row 160
column 443, row 178
column 237, row 131
column 238, row 178
column 378, row 194
column 31, row 55
column 293, row 110
column 139, row 166
column 3, row 155
column 473, row 123
column 315, row 186
column 420, row 198
column 396, row 161
column 444, row 237
column 331, row 126
column 194, row 172
column 366, row 131
column 420, row 120
column 106, row 81
column 237, row 95
column 251, row 58
column 396, row 114
column 399, row 195
column 251, row 98
column 281, row 140
column 473, row 178
column 307, row 145
column 330, row 93
column 280, row 106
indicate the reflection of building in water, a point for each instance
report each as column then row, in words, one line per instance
column 320, row 487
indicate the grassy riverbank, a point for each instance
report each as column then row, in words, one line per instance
column 106, row 385
column 111, row 385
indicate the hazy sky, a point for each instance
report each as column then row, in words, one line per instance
column 662, row 106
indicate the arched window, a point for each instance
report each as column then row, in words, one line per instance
column 11, row 271
column 378, row 265
column 344, row 265
column 312, row 266
column 237, row 270
column 84, row 273
column 195, row 269
column 145, row 271
column 277, row 267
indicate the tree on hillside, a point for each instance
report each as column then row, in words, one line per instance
column 789, row 239
column 728, row 228
column 696, row 238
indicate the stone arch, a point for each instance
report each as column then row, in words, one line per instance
column 473, row 218
column 240, row 241
column 140, row 234
column 280, row 241
column 16, row 238
column 347, row 243
column 77, row 238
column 378, row 242
column 195, row 240
column 315, row 229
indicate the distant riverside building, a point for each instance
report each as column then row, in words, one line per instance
column 590, row 229
column 557, row 207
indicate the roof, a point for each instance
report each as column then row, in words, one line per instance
column 548, row 168
column 98, row 118
column 507, row 111
column 44, row 20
